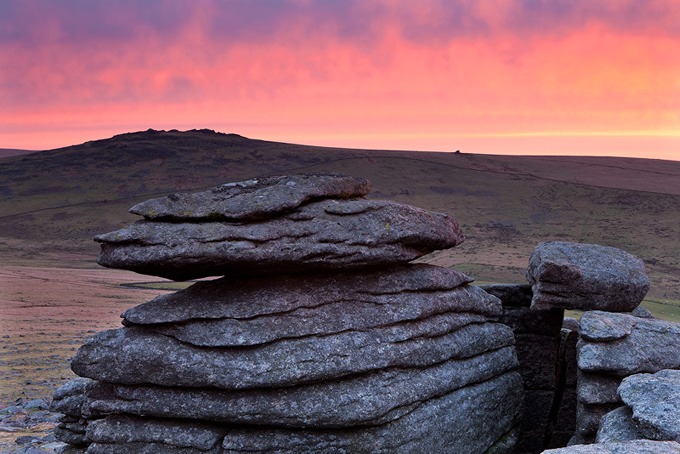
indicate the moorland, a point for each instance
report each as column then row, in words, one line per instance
column 52, row 203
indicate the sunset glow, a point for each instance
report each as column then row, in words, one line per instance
column 507, row 76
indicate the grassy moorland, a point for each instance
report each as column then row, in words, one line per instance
column 53, row 295
column 52, row 203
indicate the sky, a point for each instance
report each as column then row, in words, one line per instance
column 569, row 77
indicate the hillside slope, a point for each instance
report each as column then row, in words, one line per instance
column 52, row 203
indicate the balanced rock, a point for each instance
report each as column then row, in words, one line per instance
column 655, row 403
column 585, row 276
column 322, row 235
column 251, row 200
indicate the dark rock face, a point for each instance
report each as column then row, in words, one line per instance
column 323, row 235
column 585, row 276
column 252, row 200
column 537, row 337
column 655, row 403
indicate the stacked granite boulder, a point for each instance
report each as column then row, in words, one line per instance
column 595, row 279
column 613, row 346
column 318, row 337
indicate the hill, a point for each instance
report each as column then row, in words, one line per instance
column 52, row 203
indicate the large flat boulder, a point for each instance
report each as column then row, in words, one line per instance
column 655, row 403
column 251, row 200
column 238, row 312
column 136, row 356
column 586, row 277
column 322, row 235
column 368, row 399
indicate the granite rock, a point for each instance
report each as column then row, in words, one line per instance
column 238, row 312
column 470, row 419
column 585, row 276
column 655, row 402
column 593, row 388
column 136, row 356
column 618, row 425
column 250, row 200
column 70, row 397
column 652, row 344
column 323, row 235
column 123, row 433
column 369, row 399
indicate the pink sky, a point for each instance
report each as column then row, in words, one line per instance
column 506, row 76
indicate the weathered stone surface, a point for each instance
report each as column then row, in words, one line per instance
column 371, row 399
column 70, row 397
column 655, row 402
column 123, row 429
column 512, row 295
column 136, row 356
column 618, row 425
column 652, row 344
column 64, row 433
column 626, row 447
column 599, row 326
column 233, row 312
column 585, row 276
column 242, row 298
column 597, row 388
column 323, row 235
column 470, row 419
column 255, row 199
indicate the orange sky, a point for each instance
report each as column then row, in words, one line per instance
column 487, row 76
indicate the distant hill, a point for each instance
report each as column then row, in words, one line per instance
column 52, row 203
column 9, row 152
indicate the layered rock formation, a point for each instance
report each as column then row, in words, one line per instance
column 320, row 337
column 614, row 346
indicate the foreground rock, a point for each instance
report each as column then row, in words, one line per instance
column 360, row 353
column 655, row 403
column 324, row 235
column 252, row 200
column 585, row 276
